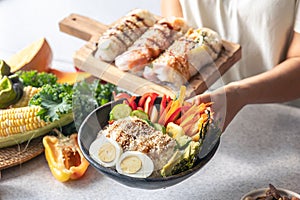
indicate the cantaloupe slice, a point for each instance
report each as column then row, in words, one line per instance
column 37, row 56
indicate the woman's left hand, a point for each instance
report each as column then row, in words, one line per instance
column 227, row 102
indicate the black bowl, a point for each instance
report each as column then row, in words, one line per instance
column 96, row 121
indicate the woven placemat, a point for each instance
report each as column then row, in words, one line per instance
column 18, row 154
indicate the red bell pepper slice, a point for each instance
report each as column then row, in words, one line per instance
column 168, row 99
column 121, row 95
column 177, row 103
column 173, row 116
column 184, row 109
column 140, row 108
column 147, row 102
column 132, row 103
column 163, row 104
column 142, row 100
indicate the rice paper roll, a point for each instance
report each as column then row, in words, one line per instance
column 185, row 57
column 123, row 34
column 151, row 44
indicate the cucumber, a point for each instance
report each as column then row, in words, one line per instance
column 159, row 127
column 140, row 114
column 120, row 111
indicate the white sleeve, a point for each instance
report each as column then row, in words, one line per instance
column 297, row 20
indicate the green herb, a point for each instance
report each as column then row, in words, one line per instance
column 88, row 96
column 54, row 100
column 103, row 92
column 36, row 79
column 57, row 99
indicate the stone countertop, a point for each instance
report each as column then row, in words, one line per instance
column 260, row 146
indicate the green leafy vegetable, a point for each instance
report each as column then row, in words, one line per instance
column 36, row 79
column 54, row 100
column 88, row 96
column 83, row 101
column 103, row 92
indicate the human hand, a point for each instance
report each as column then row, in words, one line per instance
column 227, row 102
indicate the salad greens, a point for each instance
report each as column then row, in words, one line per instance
column 54, row 100
column 35, row 78
column 88, row 96
column 103, row 92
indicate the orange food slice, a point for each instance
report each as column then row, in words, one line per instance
column 69, row 77
column 37, row 56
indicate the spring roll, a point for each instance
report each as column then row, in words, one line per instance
column 185, row 57
column 151, row 44
column 118, row 38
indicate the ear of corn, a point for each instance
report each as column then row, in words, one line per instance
column 14, row 121
column 18, row 125
column 28, row 93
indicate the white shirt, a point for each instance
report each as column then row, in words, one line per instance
column 262, row 27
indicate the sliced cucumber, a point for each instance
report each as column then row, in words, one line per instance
column 120, row 111
column 159, row 127
column 140, row 114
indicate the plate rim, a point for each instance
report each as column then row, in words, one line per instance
column 111, row 173
column 262, row 191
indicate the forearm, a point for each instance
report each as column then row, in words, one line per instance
column 280, row 84
column 170, row 8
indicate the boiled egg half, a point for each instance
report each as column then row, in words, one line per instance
column 135, row 164
column 105, row 151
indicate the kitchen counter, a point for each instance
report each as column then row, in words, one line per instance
column 259, row 147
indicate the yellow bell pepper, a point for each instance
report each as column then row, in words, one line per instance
column 64, row 157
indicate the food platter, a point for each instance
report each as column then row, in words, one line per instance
column 84, row 59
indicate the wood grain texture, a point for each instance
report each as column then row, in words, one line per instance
column 84, row 59
column 81, row 27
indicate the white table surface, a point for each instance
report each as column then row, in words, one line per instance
column 260, row 146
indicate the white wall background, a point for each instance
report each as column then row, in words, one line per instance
column 25, row 21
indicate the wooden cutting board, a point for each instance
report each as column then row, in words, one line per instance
column 84, row 59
